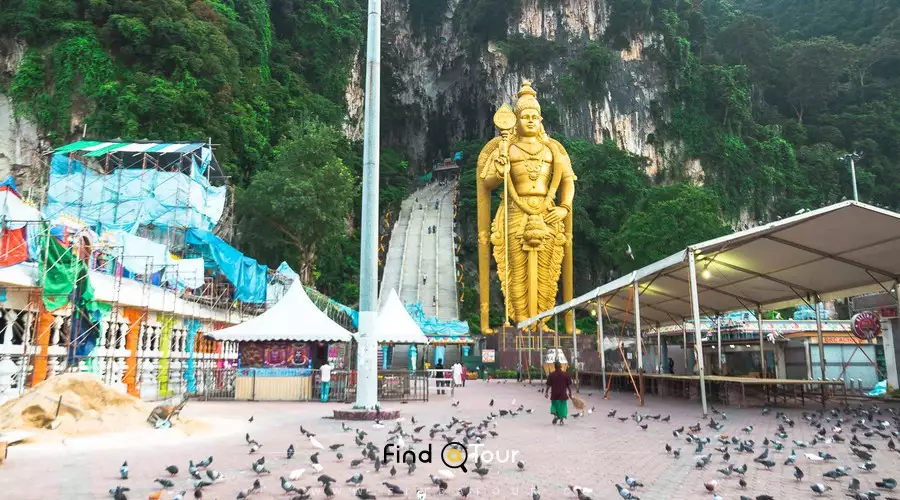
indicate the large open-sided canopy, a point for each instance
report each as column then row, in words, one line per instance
column 394, row 325
column 837, row 251
column 293, row 318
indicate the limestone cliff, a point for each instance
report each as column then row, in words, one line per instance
column 20, row 142
column 447, row 87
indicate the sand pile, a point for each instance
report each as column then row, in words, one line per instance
column 88, row 407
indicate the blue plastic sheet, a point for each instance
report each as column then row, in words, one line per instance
column 880, row 389
column 431, row 325
column 127, row 197
column 248, row 276
column 192, row 326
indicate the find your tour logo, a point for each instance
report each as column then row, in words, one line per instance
column 454, row 455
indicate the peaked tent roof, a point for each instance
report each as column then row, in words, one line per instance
column 395, row 325
column 293, row 318
column 844, row 249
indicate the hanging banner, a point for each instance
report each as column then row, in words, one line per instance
column 866, row 325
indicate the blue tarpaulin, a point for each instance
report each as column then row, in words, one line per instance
column 431, row 325
column 129, row 196
column 248, row 276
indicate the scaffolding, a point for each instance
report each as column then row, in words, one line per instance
column 114, row 222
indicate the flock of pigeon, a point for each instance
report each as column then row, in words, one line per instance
column 367, row 455
column 828, row 436
column 859, row 428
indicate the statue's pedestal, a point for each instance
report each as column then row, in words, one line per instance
column 362, row 415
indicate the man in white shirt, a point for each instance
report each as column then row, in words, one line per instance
column 325, row 372
column 457, row 374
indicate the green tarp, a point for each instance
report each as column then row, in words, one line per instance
column 60, row 272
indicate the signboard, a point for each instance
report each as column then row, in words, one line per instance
column 888, row 312
column 488, row 356
column 843, row 339
column 866, row 325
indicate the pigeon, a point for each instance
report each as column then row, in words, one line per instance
column 296, row 474
column 290, row 451
column 118, row 493
column 326, row 479
column 123, row 470
column 363, row 494
column 213, row 475
column 393, row 471
column 623, row 492
column 798, row 473
column 481, row 471
column 393, row 488
column 250, row 419
column 887, row 483
column 520, row 464
column 260, row 468
column 633, row 482
column 535, row 494
column 630, row 254
column 172, row 469
column 165, row 483
column 286, row 485
column 710, row 485
column 355, row 480
column 205, row 462
column 315, row 442
column 819, row 488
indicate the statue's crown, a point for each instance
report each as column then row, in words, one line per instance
column 527, row 98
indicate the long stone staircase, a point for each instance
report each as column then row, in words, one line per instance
column 421, row 265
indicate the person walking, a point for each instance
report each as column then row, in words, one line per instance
column 424, row 278
column 671, row 366
column 440, row 374
column 325, row 372
column 559, row 391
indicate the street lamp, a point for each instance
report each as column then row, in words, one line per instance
column 853, row 157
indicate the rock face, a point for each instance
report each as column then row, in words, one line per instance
column 20, row 142
column 447, row 91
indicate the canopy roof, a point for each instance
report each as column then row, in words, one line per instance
column 293, row 318
column 837, row 251
column 395, row 325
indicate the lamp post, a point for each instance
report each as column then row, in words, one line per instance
column 366, row 361
column 853, row 157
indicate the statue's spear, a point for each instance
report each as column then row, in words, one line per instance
column 505, row 120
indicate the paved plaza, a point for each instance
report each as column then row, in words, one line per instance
column 594, row 451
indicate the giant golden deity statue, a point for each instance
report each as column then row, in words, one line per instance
column 531, row 233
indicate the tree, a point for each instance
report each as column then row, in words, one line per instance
column 302, row 200
column 813, row 70
column 669, row 219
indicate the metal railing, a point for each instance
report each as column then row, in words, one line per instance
column 248, row 384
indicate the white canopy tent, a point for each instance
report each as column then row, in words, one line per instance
column 837, row 251
column 293, row 318
column 395, row 325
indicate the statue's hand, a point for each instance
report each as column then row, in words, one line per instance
column 501, row 163
column 555, row 215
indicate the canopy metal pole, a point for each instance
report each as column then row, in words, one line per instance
column 684, row 345
column 821, row 347
column 575, row 355
column 639, row 341
column 541, row 348
column 695, row 305
column 659, row 365
column 600, row 344
column 719, row 340
column 762, row 345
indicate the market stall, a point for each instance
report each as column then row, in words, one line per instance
column 281, row 349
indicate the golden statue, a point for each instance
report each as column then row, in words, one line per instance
column 532, row 230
